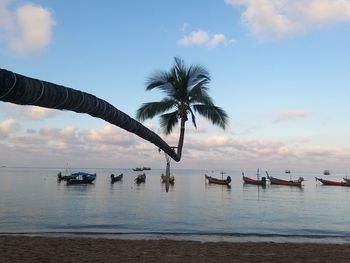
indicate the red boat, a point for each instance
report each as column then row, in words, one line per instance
column 248, row 180
column 171, row 179
column 328, row 182
column 277, row 181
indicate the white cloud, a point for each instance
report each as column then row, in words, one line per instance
column 33, row 113
column 27, row 29
column 7, row 127
column 201, row 37
column 5, row 17
column 109, row 146
column 220, row 38
column 39, row 113
column 216, row 141
column 288, row 115
column 279, row 18
column 108, row 135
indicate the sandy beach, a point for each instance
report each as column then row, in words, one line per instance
column 54, row 249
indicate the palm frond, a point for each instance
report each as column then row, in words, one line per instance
column 199, row 94
column 181, row 79
column 168, row 121
column 200, row 83
column 193, row 118
column 199, row 73
column 162, row 81
column 151, row 109
column 213, row 113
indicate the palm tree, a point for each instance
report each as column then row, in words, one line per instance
column 186, row 90
column 22, row 90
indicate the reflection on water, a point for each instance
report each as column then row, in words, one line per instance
column 31, row 200
column 62, row 186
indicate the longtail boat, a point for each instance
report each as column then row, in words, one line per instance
column 140, row 178
column 278, row 181
column 213, row 180
column 248, row 180
column 171, row 179
column 329, row 182
column 116, row 178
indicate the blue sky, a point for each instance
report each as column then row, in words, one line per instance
column 281, row 70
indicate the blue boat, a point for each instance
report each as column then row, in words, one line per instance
column 81, row 178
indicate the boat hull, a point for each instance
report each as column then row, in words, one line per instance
column 77, row 181
column 333, row 183
column 278, row 181
column 248, row 180
column 213, row 180
column 116, row 178
column 81, row 178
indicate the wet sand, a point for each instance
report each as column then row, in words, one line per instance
column 58, row 249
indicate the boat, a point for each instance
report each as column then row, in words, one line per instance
column 335, row 183
column 116, row 178
column 214, row 180
column 61, row 177
column 139, row 169
column 140, row 178
column 248, row 180
column 346, row 179
column 326, row 172
column 171, row 179
column 66, row 177
column 81, row 178
column 278, row 181
column 287, row 171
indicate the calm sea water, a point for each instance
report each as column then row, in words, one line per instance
column 33, row 202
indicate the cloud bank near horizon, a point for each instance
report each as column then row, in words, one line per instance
column 109, row 146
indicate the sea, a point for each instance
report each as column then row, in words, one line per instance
column 34, row 203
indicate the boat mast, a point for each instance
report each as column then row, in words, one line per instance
column 222, row 175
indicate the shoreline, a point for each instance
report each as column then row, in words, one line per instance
column 211, row 238
column 87, row 249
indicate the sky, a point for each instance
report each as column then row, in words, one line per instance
column 280, row 69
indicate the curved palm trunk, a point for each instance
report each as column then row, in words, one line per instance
column 179, row 152
column 181, row 138
column 23, row 90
